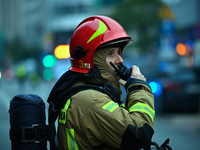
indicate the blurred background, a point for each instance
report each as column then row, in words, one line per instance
column 34, row 38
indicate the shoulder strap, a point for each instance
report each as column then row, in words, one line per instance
column 54, row 108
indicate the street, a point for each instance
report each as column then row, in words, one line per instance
column 183, row 130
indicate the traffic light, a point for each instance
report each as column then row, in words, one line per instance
column 62, row 52
column 49, row 61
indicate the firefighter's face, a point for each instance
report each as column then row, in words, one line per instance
column 114, row 57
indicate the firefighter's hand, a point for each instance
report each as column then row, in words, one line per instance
column 135, row 74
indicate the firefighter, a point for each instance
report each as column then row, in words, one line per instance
column 91, row 119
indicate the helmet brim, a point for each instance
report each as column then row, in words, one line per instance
column 117, row 43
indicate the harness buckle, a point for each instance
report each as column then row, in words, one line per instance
column 28, row 134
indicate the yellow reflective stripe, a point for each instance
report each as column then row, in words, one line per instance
column 102, row 28
column 110, row 106
column 123, row 105
column 143, row 108
column 62, row 117
column 72, row 144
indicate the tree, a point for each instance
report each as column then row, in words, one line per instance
column 141, row 17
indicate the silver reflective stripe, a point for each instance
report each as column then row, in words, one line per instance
column 72, row 144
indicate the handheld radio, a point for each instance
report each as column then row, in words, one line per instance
column 122, row 71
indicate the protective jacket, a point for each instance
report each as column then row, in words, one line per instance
column 92, row 120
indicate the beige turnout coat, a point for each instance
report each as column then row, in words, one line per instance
column 91, row 119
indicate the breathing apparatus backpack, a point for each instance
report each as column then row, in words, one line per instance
column 28, row 128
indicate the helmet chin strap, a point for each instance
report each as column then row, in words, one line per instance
column 95, row 72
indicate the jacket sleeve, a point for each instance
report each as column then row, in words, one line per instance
column 122, row 128
column 140, row 101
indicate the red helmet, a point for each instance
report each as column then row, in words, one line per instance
column 91, row 33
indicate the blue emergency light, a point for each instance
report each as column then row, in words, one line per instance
column 155, row 87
